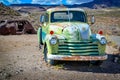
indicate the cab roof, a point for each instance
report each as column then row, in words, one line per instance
column 64, row 9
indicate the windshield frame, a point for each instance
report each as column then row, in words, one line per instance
column 69, row 20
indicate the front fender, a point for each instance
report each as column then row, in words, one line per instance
column 97, row 37
column 101, row 47
column 38, row 34
column 52, row 49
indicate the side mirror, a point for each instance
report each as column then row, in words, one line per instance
column 92, row 19
column 42, row 19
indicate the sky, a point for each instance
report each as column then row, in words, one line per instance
column 8, row 2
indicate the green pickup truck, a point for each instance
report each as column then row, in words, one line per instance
column 66, row 35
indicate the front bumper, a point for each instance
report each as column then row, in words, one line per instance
column 76, row 58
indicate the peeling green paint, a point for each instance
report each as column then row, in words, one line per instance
column 101, row 48
column 73, row 38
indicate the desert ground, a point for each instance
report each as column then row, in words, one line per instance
column 21, row 59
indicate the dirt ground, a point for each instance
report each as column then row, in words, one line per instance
column 20, row 59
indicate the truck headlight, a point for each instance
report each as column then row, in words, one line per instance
column 103, row 41
column 53, row 40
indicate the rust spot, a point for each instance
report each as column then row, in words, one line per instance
column 84, row 58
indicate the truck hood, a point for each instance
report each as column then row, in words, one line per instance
column 70, row 30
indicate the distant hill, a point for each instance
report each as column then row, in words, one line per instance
column 35, row 5
column 102, row 4
column 92, row 4
column 5, row 10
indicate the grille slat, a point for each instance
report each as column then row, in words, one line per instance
column 78, row 44
column 72, row 51
column 78, row 48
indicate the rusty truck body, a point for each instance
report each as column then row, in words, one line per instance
column 14, row 27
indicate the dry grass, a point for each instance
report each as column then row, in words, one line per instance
column 107, row 20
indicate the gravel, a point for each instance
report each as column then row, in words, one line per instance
column 21, row 59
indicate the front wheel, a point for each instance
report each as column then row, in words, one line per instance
column 51, row 62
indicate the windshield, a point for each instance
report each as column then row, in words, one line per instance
column 72, row 16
